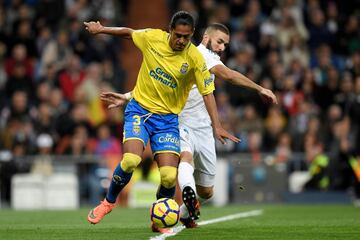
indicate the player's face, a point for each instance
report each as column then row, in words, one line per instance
column 180, row 37
column 218, row 42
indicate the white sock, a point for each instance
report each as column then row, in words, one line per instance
column 185, row 178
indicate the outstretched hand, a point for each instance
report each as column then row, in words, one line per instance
column 113, row 100
column 268, row 96
column 221, row 134
column 93, row 27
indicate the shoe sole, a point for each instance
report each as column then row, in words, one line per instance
column 189, row 199
column 89, row 217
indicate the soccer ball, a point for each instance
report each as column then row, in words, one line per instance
column 164, row 213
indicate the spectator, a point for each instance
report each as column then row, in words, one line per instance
column 88, row 92
column 295, row 50
column 24, row 36
column 318, row 164
column 44, row 122
column 43, row 40
column 291, row 98
column 57, row 103
column 20, row 70
column 288, row 28
column 249, row 122
column 319, row 32
column 275, row 123
column 57, row 52
column 353, row 64
column 346, row 95
column 325, row 94
column 71, row 78
column 19, row 108
column 43, row 162
column 283, row 150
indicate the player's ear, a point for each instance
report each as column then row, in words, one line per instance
column 206, row 37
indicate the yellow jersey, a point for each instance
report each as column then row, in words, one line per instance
column 167, row 76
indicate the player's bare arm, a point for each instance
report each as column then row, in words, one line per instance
column 115, row 100
column 239, row 79
column 220, row 133
column 96, row 28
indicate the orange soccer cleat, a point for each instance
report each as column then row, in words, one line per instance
column 97, row 214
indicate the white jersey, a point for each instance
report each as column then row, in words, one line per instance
column 194, row 113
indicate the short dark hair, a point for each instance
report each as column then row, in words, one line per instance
column 182, row 18
column 218, row 26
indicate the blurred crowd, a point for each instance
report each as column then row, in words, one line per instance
column 306, row 51
column 51, row 74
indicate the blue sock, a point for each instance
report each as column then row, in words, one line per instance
column 118, row 182
column 164, row 192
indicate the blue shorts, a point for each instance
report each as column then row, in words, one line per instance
column 161, row 129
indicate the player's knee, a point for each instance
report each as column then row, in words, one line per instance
column 130, row 162
column 168, row 176
column 205, row 192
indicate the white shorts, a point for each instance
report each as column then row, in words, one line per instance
column 201, row 144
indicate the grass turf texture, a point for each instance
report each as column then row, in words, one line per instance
column 277, row 222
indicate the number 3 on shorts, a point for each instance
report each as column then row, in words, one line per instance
column 137, row 120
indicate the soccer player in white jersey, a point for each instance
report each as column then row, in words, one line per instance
column 197, row 168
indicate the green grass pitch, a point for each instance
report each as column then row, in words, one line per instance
column 277, row 222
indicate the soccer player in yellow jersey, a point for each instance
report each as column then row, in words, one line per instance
column 171, row 66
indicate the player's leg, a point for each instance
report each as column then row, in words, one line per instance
column 121, row 176
column 204, row 193
column 186, row 168
column 204, row 161
column 205, row 164
column 205, row 181
column 123, row 172
column 165, row 144
column 191, row 206
column 167, row 163
column 185, row 174
column 135, row 138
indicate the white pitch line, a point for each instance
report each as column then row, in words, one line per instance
column 178, row 229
